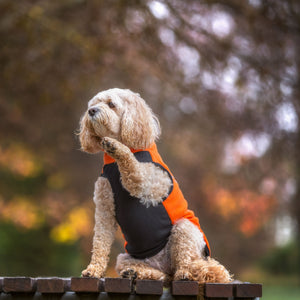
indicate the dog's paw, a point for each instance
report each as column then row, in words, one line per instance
column 183, row 274
column 129, row 273
column 109, row 145
column 93, row 271
column 143, row 273
column 114, row 148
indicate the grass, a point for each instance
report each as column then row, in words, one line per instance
column 274, row 286
column 281, row 292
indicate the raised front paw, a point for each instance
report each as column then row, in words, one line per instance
column 93, row 271
column 114, row 148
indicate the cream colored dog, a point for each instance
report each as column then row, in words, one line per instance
column 137, row 191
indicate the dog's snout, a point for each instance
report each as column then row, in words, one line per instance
column 92, row 111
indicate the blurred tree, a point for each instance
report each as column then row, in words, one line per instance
column 222, row 75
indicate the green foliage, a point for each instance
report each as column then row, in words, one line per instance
column 283, row 260
column 22, row 185
column 216, row 72
column 281, row 292
column 32, row 253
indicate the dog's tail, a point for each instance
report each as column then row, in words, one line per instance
column 209, row 270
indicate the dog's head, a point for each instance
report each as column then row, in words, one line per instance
column 119, row 114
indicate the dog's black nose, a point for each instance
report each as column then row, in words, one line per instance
column 93, row 111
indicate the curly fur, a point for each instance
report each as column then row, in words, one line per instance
column 131, row 121
column 117, row 121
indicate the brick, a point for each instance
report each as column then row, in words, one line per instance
column 185, row 288
column 19, row 285
column 247, row 290
column 217, row 290
column 86, row 285
column 117, row 285
column 149, row 287
column 218, row 298
column 52, row 285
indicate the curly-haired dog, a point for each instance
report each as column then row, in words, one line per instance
column 137, row 190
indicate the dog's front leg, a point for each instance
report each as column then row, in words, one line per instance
column 105, row 227
column 145, row 181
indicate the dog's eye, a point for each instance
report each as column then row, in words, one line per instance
column 111, row 105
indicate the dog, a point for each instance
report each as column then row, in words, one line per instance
column 137, row 191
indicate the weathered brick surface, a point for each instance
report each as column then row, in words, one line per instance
column 19, row 285
column 217, row 290
column 86, row 285
column 191, row 289
column 247, row 290
column 117, row 285
column 149, row 287
column 52, row 285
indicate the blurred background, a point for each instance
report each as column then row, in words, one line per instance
column 223, row 78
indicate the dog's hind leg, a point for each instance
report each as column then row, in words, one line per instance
column 209, row 270
column 129, row 267
column 186, row 245
column 188, row 258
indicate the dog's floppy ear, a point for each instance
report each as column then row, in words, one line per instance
column 89, row 142
column 139, row 126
